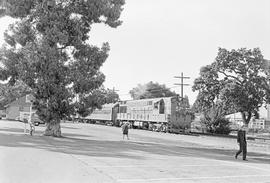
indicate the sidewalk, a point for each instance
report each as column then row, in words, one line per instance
column 34, row 159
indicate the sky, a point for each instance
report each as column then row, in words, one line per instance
column 160, row 39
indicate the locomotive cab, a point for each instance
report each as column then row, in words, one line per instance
column 159, row 107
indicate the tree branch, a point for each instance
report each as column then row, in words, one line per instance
column 229, row 76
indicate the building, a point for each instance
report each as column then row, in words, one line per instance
column 267, row 119
column 22, row 105
column 236, row 120
column 267, row 124
column 262, row 123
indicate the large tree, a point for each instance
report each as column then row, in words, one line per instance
column 47, row 49
column 85, row 104
column 237, row 79
column 150, row 90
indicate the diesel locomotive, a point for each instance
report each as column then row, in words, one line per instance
column 166, row 113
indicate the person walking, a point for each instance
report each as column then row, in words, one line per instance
column 31, row 128
column 125, row 127
column 241, row 140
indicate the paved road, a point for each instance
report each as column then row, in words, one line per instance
column 92, row 153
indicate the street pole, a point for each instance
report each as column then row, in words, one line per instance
column 30, row 116
column 27, row 100
column 24, row 127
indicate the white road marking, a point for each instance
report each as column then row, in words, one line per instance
column 149, row 166
column 190, row 178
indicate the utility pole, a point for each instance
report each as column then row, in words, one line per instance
column 182, row 84
column 114, row 90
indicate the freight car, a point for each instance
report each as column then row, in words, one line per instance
column 107, row 114
column 164, row 114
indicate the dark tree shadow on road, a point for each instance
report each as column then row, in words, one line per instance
column 77, row 145
column 15, row 130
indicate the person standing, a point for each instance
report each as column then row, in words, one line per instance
column 125, row 127
column 241, row 140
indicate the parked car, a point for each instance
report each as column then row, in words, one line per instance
column 109, row 123
column 35, row 119
column 18, row 119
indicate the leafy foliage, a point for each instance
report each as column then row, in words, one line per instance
column 150, row 90
column 47, row 50
column 184, row 103
column 220, row 126
column 237, row 79
column 95, row 99
column 214, row 119
column 10, row 93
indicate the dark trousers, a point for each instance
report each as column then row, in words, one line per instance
column 242, row 148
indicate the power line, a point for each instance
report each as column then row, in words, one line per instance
column 114, row 90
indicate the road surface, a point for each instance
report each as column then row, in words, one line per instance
column 93, row 153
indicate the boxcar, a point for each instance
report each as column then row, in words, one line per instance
column 107, row 114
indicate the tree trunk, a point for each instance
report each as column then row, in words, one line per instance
column 53, row 128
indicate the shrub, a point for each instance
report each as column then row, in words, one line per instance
column 222, row 126
column 219, row 126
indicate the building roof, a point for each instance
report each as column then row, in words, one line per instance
column 147, row 99
column 19, row 101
